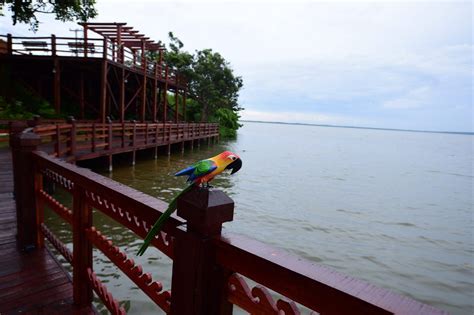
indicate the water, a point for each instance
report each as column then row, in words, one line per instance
column 393, row 208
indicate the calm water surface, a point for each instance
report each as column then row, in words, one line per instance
column 392, row 208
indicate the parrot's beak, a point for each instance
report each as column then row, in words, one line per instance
column 234, row 166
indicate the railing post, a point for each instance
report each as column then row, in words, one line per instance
column 104, row 51
column 72, row 136
column 109, row 134
column 198, row 283
column 93, row 141
column 23, row 145
column 53, row 45
column 82, row 248
column 9, row 44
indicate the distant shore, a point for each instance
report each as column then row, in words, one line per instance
column 355, row 127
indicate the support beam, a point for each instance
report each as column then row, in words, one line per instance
column 86, row 47
column 165, row 96
column 57, row 85
column 184, row 105
column 122, row 95
column 176, row 112
column 155, row 96
column 82, row 100
column 144, row 65
column 103, row 91
column 119, row 44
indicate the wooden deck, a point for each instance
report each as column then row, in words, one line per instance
column 30, row 283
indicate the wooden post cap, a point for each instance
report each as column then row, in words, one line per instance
column 27, row 140
column 205, row 210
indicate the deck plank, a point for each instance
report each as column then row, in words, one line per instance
column 34, row 282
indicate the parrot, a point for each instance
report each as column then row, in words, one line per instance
column 199, row 174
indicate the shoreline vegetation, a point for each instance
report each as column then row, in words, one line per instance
column 355, row 127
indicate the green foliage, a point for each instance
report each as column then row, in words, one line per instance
column 65, row 10
column 13, row 110
column 228, row 122
column 16, row 109
column 25, row 105
column 212, row 85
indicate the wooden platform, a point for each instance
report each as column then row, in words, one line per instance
column 30, row 283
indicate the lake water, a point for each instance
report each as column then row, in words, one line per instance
column 393, row 208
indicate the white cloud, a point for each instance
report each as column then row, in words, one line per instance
column 416, row 98
column 369, row 57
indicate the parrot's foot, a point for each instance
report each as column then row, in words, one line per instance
column 205, row 186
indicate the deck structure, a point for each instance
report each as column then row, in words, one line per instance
column 108, row 72
column 30, row 281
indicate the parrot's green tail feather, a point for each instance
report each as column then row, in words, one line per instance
column 161, row 220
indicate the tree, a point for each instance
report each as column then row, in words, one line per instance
column 65, row 10
column 212, row 85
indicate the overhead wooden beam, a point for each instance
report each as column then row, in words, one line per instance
column 102, row 23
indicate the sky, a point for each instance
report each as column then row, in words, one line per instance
column 402, row 64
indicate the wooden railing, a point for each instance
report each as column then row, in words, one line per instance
column 101, row 48
column 85, row 140
column 208, row 267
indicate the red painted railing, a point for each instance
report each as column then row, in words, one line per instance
column 85, row 140
column 208, row 267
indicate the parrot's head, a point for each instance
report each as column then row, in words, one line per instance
column 231, row 161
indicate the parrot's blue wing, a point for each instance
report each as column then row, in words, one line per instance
column 187, row 171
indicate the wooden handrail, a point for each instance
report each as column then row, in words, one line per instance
column 91, row 48
column 82, row 140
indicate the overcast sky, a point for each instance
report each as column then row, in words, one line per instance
column 379, row 64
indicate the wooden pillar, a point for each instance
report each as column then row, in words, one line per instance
column 114, row 51
column 165, row 95
column 23, row 144
column 134, row 142
column 71, row 144
column 104, row 49
column 122, row 95
column 103, row 91
column 198, row 283
column 155, row 96
column 119, row 44
column 9, row 44
column 56, row 77
column 184, row 105
column 86, row 45
column 82, row 248
column 82, row 100
column 144, row 66
column 176, row 113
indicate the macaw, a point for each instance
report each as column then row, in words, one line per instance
column 199, row 174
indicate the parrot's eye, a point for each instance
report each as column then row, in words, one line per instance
column 233, row 157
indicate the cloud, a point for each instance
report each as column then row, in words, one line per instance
column 416, row 98
column 388, row 64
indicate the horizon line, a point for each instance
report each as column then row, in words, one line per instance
column 358, row 127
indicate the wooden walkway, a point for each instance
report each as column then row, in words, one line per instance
column 30, row 283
